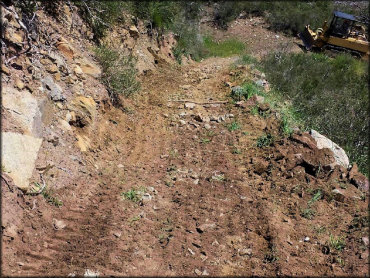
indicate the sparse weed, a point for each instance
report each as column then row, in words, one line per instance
column 235, row 150
column 233, row 126
column 205, row 140
column 265, row 140
column 315, row 198
column 48, row 195
column 133, row 195
column 320, row 229
column 308, row 213
column 254, row 110
column 338, row 243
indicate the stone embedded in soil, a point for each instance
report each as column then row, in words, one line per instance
column 19, row 153
column 340, row 155
column 55, row 91
column 189, row 105
column 338, row 195
column 245, row 252
column 59, row 224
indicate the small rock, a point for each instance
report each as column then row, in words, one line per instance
column 134, row 32
column 221, row 119
column 5, row 69
column 197, row 272
column 78, row 71
column 207, row 126
column 196, row 181
column 19, row 84
column 365, row 240
column 59, row 224
column 205, row 273
column 205, row 227
column 52, row 68
column 245, row 252
column 20, row 263
column 117, row 234
column 191, row 251
column 185, row 87
column 55, row 91
column 182, row 122
column 182, row 114
column 147, row 197
column 120, row 166
column 306, row 239
column 91, row 273
column 230, row 116
column 189, row 105
column 338, row 195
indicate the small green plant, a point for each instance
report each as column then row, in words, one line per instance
column 131, row 195
column 205, row 140
column 245, row 133
column 233, row 126
column 308, row 213
column 320, row 229
column 265, row 140
column 48, row 195
column 315, row 198
column 235, row 150
column 254, row 110
column 285, row 126
column 338, row 243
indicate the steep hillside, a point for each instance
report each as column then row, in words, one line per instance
column 187, row 177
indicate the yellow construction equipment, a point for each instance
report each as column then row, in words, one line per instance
column 345, row 33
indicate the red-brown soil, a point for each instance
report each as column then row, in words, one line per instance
column 220, row 204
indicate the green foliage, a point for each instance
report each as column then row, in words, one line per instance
column 233, row 126
column 338, row 243
column 132, row 195
column 119, row 72
column 101, row 15
column 246, row 91
column 328, row 94
column 265, row 140
column 287, row 16
column 308, row 213
column 315, row 198
column 224, row 48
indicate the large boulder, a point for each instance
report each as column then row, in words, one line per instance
column 340, row 155
column 24, row 109
column 19, row 154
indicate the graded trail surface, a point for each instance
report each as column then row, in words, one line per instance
column 214, row 202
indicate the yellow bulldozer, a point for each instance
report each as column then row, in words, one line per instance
column 345, row 33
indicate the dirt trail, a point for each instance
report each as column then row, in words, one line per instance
column 205, row 212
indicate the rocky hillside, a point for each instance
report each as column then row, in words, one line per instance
column 180, row 179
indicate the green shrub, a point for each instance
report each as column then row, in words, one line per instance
column 119, row 72
column 265, row 140
column 101, row 15
column 329, row 95
column 287, row 16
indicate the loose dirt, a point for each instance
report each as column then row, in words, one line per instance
column 215, row 203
